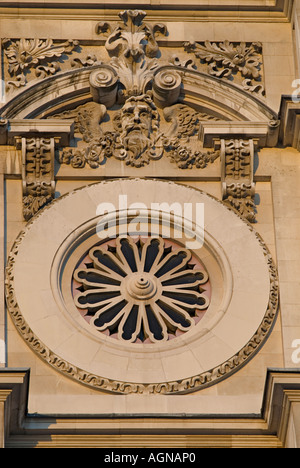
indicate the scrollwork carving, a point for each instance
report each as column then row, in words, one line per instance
column 166, row 86
column 133, row 48
column 104, row 82
column 131, row 38
column 23, row 55
column 225, row 59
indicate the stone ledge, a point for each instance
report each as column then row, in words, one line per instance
column 267, row 430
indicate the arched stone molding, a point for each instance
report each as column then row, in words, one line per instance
column 69, row 89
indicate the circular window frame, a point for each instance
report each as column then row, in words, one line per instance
column 86, row 238
column 178, row 349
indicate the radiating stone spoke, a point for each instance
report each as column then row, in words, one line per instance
column 93, row 278
column 180, row 306
column 160, row 315
column 123, row 327
column 132, row 260
column 157, row 246
column 197, row 301
column 162, row 330
column 197, row 277
column 116, row 317
column 178, row 310
column 173, row 262
column 109, row 262
column 82, row 300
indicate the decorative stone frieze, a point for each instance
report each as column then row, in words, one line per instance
column 141, row 134
column 132, row 101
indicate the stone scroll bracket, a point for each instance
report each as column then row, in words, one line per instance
column 37, row 172
column 238, row 188
column 37, row 140
column 237, row 144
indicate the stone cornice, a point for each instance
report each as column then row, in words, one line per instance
column 246, row 10
column 265, row 430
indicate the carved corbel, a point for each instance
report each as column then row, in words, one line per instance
column 37, row 172
column 37, row 139
column 238, row 188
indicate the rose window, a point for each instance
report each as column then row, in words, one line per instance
column 141, row 290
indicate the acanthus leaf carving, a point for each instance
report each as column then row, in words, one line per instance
column 23, row 55
column 225, row 59
column 131, row 38
column 133, row 48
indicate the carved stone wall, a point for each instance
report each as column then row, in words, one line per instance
column 137, row 109
column 155, row 107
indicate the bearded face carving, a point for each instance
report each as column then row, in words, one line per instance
column 138, row 135
column 137, row 126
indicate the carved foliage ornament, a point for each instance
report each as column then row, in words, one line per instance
column 135, row 78
column 132, row 44
column 137, row 138
column 26, row 54
column 140, row 82
column 132, row 37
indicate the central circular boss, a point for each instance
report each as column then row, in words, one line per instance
column 141, row 286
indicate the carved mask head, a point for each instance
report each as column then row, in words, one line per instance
column 137, row 115
column 137, row 124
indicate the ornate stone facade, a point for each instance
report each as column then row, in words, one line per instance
column 153, row 122
column 148, row 198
